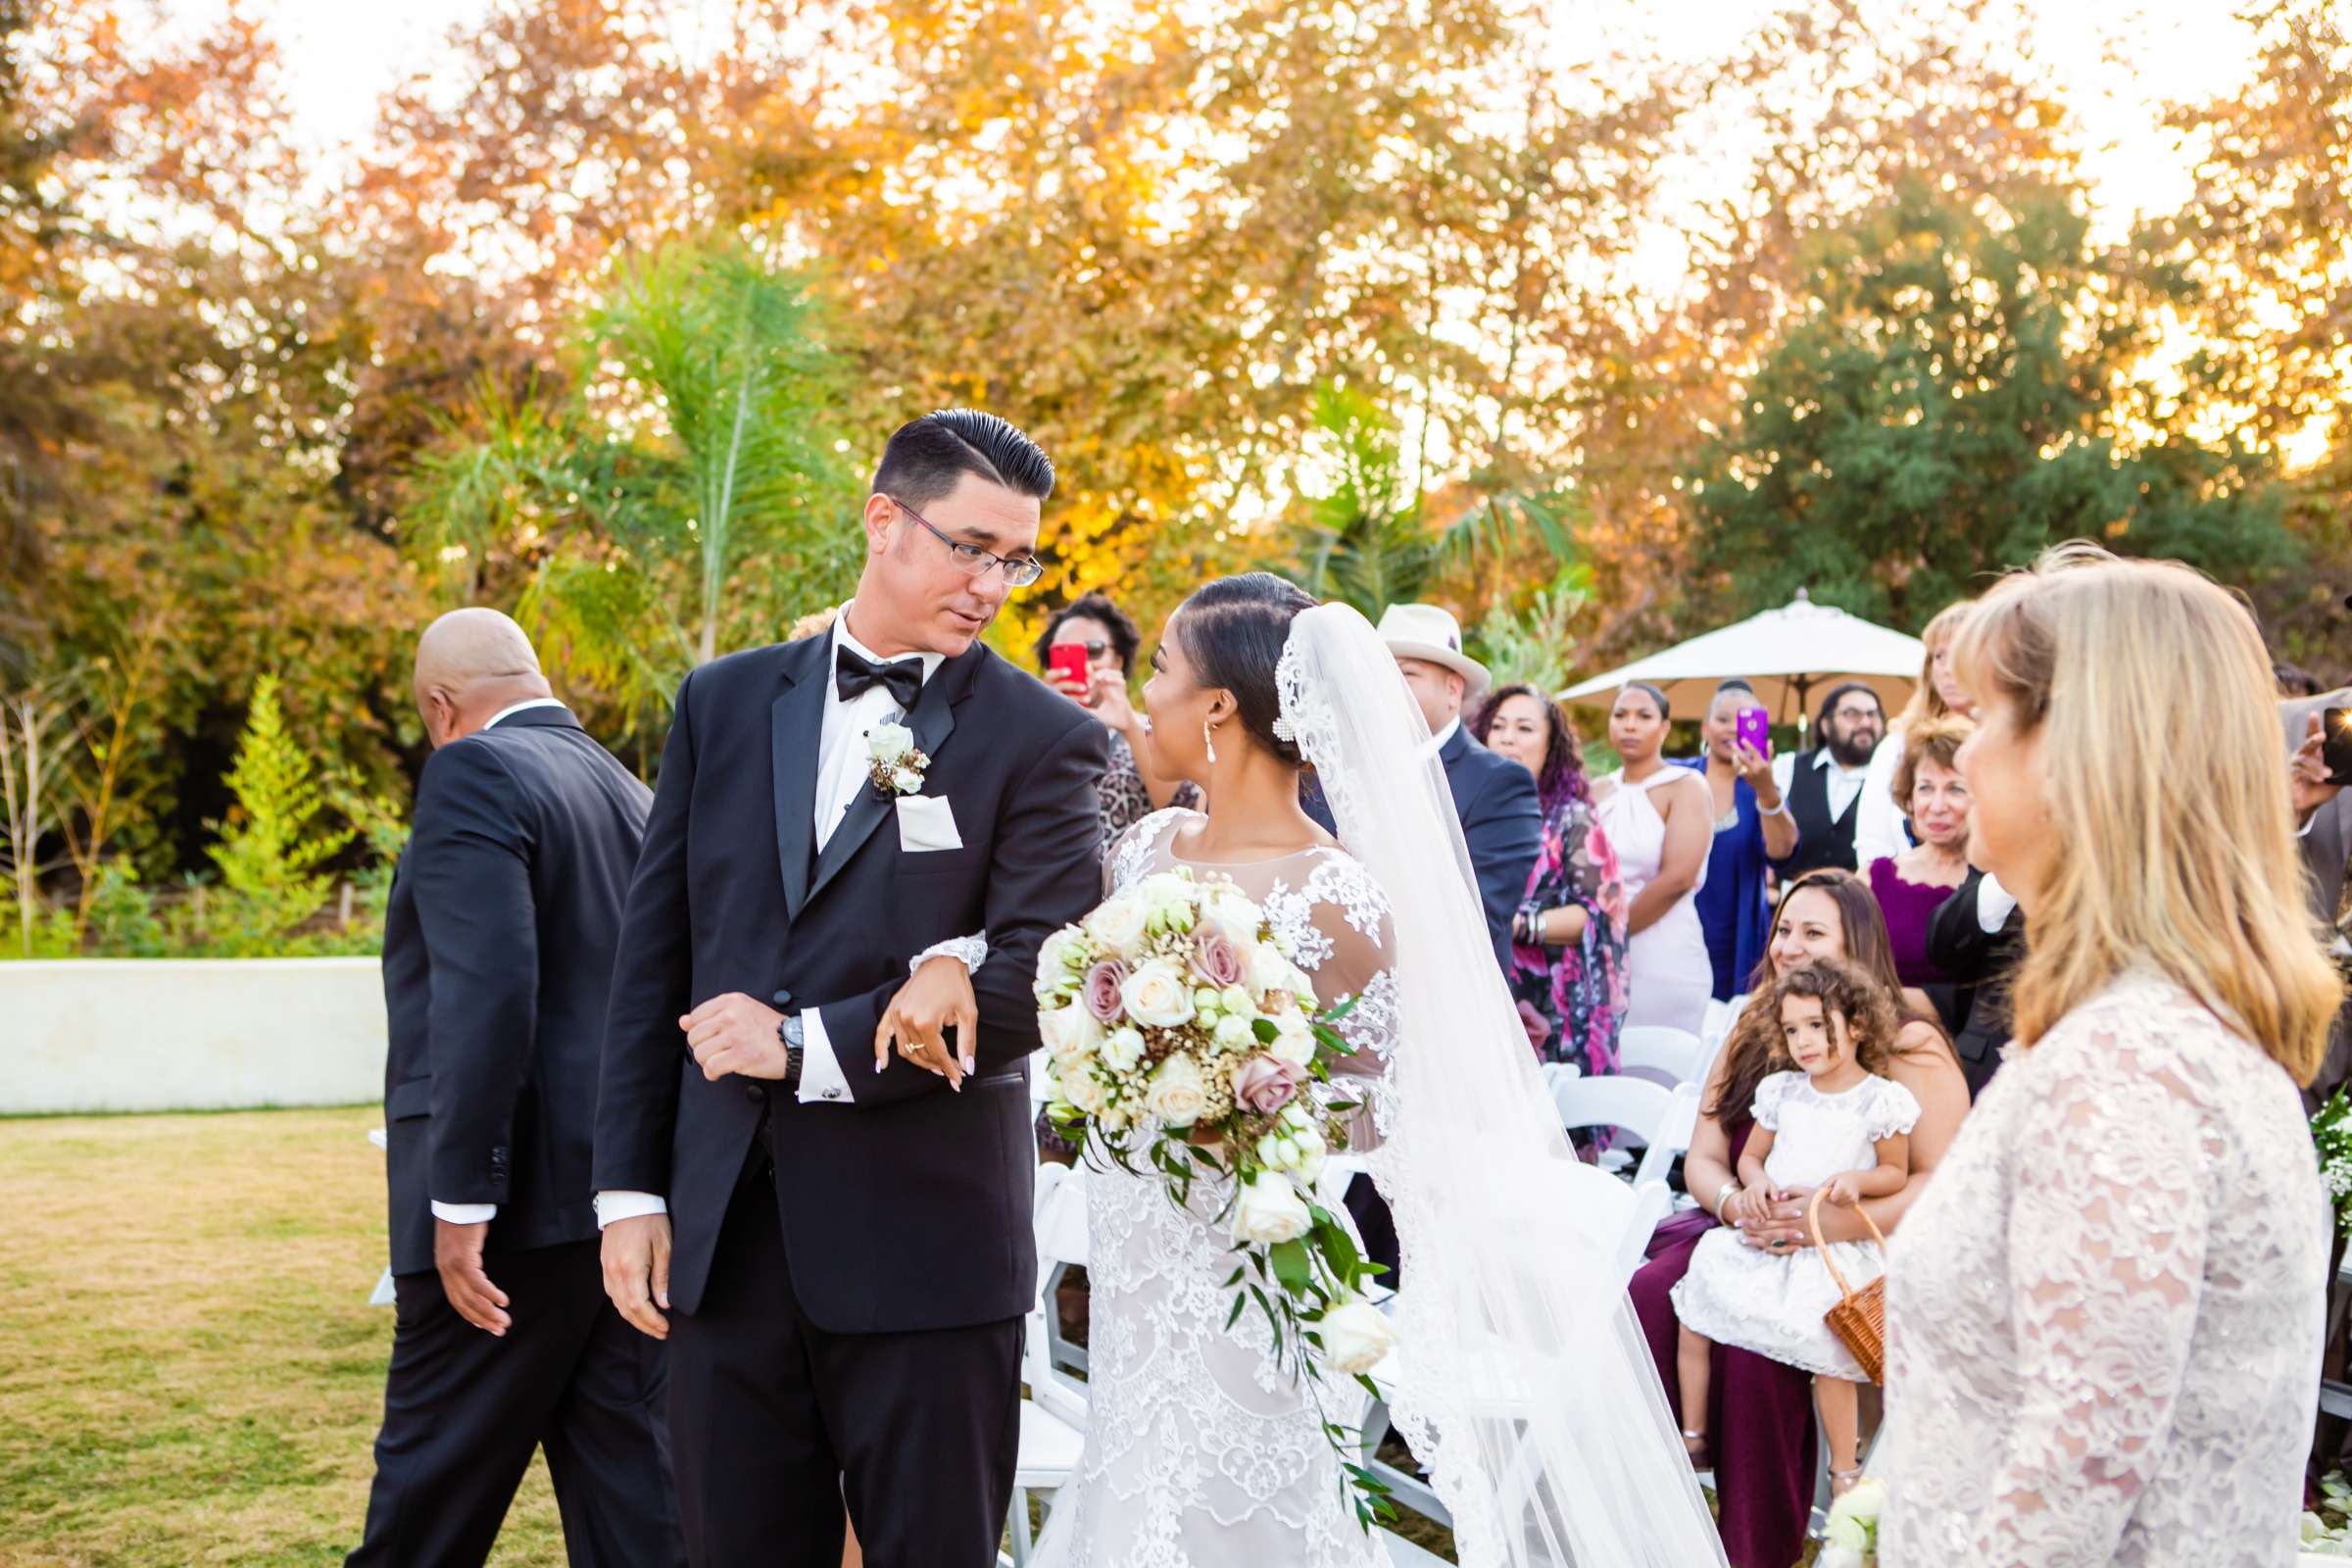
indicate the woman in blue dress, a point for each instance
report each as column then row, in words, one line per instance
column 1752, row 826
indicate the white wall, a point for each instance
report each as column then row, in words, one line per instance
column 190, row 1034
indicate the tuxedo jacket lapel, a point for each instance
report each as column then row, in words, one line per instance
column 796, row 734
column 932, row 722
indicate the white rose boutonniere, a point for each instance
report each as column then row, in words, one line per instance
column 895, row 768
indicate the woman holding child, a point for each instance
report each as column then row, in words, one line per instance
column 1759, row 1422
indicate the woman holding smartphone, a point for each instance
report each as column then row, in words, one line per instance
column 1751, row 825
column 1085, row 653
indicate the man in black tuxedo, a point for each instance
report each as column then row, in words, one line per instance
column 498, row 954
column 834, row 1242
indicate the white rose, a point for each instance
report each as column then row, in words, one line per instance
column 1294, row 1038
column 1228, row 910
column 1156, row 997
column 1269, row 1211
column 1118, row 924
column 1310, row 1165
column 1070, row 1034
column 1233, row 1034
column 1264, row 968
column 1177, row 1095
column 1169, row 899
column 1355, row 1337
column 1084, row 1091
column 887, row 742
column 1121, row 1050
column 1062, row 955
column 905, row 781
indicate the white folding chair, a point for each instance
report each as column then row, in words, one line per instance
column 1060, row 1218
column 381, row 1296
column 1054, row 1411
column 1672, row 1135
column 1671, row 1055
column 1630, row 1105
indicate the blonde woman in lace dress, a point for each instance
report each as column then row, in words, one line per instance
column 2104, row 1314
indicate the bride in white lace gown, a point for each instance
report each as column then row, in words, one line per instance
column 1199, row 1450
column 1522, row 1383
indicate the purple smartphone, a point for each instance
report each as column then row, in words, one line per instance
column 1755, row 730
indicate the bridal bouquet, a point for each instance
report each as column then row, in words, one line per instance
column 1182, row 1036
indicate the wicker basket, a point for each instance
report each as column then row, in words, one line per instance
column 1859, row 1319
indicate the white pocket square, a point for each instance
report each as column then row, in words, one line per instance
column 926, row 822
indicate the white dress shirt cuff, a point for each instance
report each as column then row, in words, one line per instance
column 464, row 1213
column 613, row 1207
column 1994, row 906
column 973, row 950
column 821, row 1079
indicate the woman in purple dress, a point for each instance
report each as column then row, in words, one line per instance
column 1761, row 1427
column 1911, row 886
column 1568, row 951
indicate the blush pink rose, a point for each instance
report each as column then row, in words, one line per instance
column 1100, row 993
column 1265, row 1083
column 1217, row 958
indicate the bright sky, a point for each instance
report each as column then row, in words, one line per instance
column 2115, row 64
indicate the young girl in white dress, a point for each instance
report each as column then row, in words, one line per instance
column 1835, row 1124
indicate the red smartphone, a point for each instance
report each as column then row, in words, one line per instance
column 1067, row 661
column 1755, row 730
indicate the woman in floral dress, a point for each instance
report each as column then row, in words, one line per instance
column 1568, row 952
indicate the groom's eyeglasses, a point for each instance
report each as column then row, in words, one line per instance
column 972, row 561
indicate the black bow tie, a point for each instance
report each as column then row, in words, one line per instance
column 854, row 675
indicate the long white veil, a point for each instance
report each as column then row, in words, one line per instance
column 1525, row 1384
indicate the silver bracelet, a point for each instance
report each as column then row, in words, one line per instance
column 1723, row 1193
column 1780, row 810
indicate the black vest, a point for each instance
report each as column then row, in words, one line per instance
column 1820, row 841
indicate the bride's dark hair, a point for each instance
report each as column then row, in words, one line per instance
column 1233, row 631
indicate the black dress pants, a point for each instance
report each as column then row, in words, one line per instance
column 778, row 1422
column 464, row 1409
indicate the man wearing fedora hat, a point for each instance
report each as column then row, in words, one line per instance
column 1496, row 799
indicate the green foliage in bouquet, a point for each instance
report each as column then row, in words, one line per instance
column 2331, row 1132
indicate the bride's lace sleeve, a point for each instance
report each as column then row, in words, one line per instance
column 2106, row 1243
column 1339, row 928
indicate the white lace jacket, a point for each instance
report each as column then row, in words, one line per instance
column 2104, row 1314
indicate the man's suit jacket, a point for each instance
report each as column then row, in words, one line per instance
column 1959, row 945
column 498, row 956
column 908, row 1207
column 2327, row 844
column 1502, row 823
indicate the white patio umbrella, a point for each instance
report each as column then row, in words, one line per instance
column 1785, row 653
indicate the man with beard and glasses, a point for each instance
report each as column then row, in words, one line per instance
column 1824, row 786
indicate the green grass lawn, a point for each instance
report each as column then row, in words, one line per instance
column 188, row 1369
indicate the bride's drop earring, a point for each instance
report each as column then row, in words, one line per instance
column 1208, row 733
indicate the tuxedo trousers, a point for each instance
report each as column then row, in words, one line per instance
column 464, row 1409
column 779, row 1423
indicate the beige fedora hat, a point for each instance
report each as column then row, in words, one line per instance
column 1428, row 632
